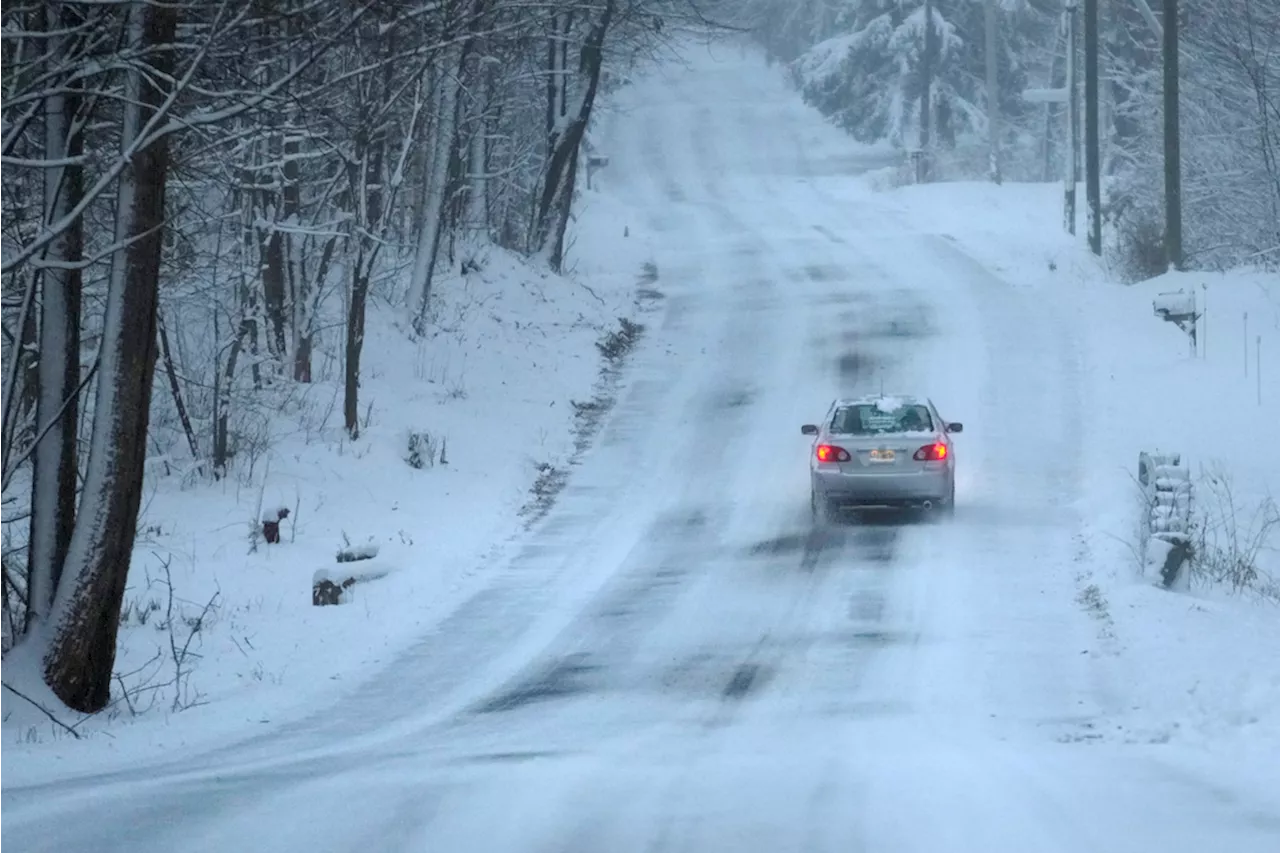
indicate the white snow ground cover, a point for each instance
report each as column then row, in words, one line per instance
column 492, row 387
column 1201, row 666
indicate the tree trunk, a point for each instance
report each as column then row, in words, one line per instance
column 455, row 187
column 370, row 189
column 271, row 201
column 477, row 216
column 562, row 164
column 222, row 401
column 437, row 189
column 294, row 245
column 175, row 388
column 81, row 653
column 304, row 310
column 55, row 465
column 421, row 162
column 273, row 286
column 355, row 346
column 29, row 366
column 7, row 632
column 926, row 86
column 250, row 268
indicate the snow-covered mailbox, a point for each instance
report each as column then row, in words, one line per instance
column 1179, row 307
column 1166, row 519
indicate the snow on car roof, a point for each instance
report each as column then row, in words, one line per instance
column 883, row 402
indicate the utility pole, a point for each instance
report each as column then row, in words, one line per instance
column 1073, row 122
column 993, row 92
column 926, row 95
column 1092, row 153
column 1172, row 143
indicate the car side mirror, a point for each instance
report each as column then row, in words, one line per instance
column 955, row 427
column 809, row 429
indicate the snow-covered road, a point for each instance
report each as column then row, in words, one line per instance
column 674, row 661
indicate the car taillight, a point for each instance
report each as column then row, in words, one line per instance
column 831, row 453
column 931, row 453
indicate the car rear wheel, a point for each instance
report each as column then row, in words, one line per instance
column 820, row 509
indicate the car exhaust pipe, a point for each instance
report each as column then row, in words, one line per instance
column 928, row 505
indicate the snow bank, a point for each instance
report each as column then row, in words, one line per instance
column 1200, row 666
column 490, row 389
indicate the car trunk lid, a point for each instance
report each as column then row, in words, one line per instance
column 890, row 453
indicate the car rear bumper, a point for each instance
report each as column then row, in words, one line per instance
column 887, row 490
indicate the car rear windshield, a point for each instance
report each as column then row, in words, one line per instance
column 870, row 419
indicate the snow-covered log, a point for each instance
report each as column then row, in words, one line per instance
column 331, row 586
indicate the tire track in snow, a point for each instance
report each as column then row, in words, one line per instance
column 1024, row 521
column 787, row 623
column 791, row 636
column 630, row 608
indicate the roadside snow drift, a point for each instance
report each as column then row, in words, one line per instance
column 1204, row 665
column 457, row 430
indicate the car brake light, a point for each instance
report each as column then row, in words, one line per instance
column 931, row 453
column 831, row 453
column 935, row 452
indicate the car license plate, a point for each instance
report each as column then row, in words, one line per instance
column 882, row 456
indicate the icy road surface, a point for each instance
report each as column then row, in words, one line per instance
column 675, row 662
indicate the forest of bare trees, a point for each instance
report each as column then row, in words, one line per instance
column 200, row 201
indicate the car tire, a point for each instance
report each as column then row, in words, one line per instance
column 943, row 508
column 819, row 509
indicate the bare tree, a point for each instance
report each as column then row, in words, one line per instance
column 374, row 167
column 54, row 456
column 86, row 614
column 231, row 188
column 457, row 32
column 569, row 108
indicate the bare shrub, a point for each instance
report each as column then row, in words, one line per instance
column 1136, row 251
column 616, row 343
column 165, row 678
column 546, row 488
column 184, row 631
column 1231, row 538
column 138, row 611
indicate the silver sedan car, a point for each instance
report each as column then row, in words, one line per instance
column 882, row 452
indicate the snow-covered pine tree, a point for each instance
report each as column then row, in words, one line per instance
column 868, row 78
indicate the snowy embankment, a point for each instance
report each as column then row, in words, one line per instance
column 465, row 436
column 1202, row 665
